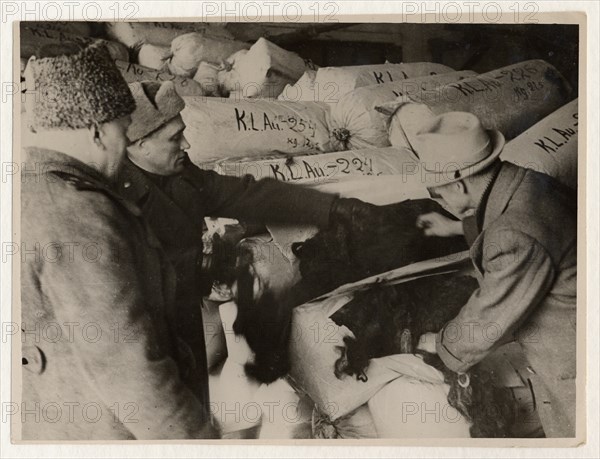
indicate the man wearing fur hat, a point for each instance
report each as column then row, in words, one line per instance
column 100, row 358
column 175, row 196
column 521, row 227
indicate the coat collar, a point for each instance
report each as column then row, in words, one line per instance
column 508, row 180
column 79, row 174
column 133, row 183
column 494, row 200
column 56, row 161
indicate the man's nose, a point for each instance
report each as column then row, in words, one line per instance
column 184, row 143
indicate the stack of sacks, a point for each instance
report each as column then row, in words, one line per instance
column 355, row 122
column 153, row 56
column 32, row 39
column 331, row 83
column 220, row 128
column 322, row 168
column 134, row 72
column 509, row 99
column 263, row 71
column 190, row 49
column 549, row 146
column 133, row 34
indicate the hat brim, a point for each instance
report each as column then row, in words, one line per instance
column 432, row 179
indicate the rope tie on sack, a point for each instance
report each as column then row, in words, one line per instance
column 342, row 135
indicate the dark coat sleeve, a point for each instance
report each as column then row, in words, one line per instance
column 261, row 201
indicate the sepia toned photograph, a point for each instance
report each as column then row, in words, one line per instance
column 313, row 230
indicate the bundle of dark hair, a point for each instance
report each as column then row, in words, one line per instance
column 339, row 255
column 333, row 257
column 389, row 320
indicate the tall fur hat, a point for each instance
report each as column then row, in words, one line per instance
column 76, row 86
column 156, row 105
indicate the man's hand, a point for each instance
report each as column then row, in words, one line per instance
column 434, row 224
column 427, row 343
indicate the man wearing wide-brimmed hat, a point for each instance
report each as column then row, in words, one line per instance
column 100, row 357
column 521, row 227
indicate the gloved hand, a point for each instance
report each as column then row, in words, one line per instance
column 354, row 213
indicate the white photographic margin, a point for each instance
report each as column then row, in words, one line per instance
column 163, row 9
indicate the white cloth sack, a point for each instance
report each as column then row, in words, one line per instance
column 263, row 71
column 190, row 49
column 550, row 146
column 153, row 56
column 355, row 122
column 416, row 405
column 226, row 128
column 208, row 77
column 331, row 83
column 324, row 167
column 302, row 90
column 510, row 99
column 161, row 33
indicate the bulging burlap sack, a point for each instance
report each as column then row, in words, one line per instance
column 227, row 128
column 190, row 49
column 550, row 146
column 263, row 71
column 509, row 99
column 355, row 122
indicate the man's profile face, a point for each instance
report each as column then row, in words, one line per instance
column 163, row 152
column 454, row 196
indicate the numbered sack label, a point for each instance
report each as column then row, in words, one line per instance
column 331, row 83
column 549, row 146
column 218, row 128
column 355, row 122
column 510, row 99
column 323, row 168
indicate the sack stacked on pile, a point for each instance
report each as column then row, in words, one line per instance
column 331, row 83
column 323, row 168
column 32, row 39
column 208, row 77
column 302, row 90
column 153, row 56
column 263, row 71
column 510, row 99
column 161, row 33
column 190, row 49
column 549, row 146
column 355, row 122
column 134, row 72
column 225, row 128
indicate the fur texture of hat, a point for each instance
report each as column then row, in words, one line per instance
column 156, row 105
column 77, row 89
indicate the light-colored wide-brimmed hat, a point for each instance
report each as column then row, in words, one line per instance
column 453, row 146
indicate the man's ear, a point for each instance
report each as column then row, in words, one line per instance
column 460, row 187
column 96, row 134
